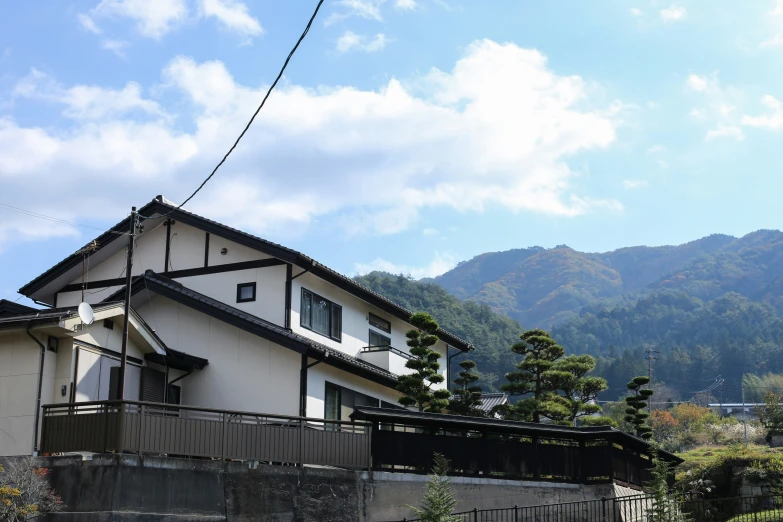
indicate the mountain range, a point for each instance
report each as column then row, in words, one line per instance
column 707, row 310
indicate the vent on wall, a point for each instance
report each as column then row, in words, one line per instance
column 108, row 323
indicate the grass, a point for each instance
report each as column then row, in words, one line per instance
column 773, row 515
column 704, row 455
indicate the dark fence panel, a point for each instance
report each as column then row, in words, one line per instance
column 638, row 508
column 139, row 427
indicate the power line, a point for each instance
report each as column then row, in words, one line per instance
column 58, row 220
column 249, row 123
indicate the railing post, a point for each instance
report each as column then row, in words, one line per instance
column 516, row 513
column 223, row 437
column 475, row 514
column 369, row 428
column 142, row 413
column 105, row 424
column 121, row 430
column 301, row 442
column 603, row 508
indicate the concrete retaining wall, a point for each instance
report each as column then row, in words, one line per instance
column 112, row 488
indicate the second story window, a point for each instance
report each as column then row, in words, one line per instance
column 321, row 315
column 380, row 323
column 246, row 292
column 377, row 339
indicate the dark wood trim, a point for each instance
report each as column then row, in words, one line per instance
column 189, row 272
column 288, row 285
column 206, row 250
column 303, row 386
column 106, row 351
column 168, row 247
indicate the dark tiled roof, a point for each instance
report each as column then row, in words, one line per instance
column 490, row 400
column 173, row 289
column 161, row 206
column 11, row 308
column 45, row 315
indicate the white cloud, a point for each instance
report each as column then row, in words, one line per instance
column 635, row 11
column 674, row 13
column 368, row 9
column 440, row 264
column 632, row 184
column 430, row 232
column 771, row 121
column 89, row 24
column 698, row 83
column 774, row 42
column 405, row 5
column 699, row 114
column 655, row 149
column 233, row 15
column 86, row 102
column 725, row 131
column 350, row 41
column 116, row 46
column 153, row 18
column 778, row 9
column 498, row 131
column 662, row 164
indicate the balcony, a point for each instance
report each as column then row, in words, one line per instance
column 386, row 357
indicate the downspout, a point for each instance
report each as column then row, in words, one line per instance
column 303, row 383
column 40, row 388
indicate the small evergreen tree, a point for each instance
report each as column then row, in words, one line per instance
column 539, row 352
column 665, row 507
column 577, row 392
column 416, row 387
column 636, row 403
column 438, row 502
column 467, row 397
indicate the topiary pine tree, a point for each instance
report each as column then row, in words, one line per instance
column 539, row 352
column 467, row 397
column 577, row 391
column 636, row 403
column 416, row 387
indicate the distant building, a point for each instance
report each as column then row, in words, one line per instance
column 735, row 409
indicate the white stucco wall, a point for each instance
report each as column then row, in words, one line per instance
column 245, row 372
column 356, row 325
column 270, row 290
column 319, row 375
column 19, row 360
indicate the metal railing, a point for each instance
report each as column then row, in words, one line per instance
column 386, row 348
column 153, row 428
column 638, row 508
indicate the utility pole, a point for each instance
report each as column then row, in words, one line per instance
column 128, row 281
column 744, row 410
column 650, row 358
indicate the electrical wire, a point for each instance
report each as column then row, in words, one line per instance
column 58, row 220
column 252, row 118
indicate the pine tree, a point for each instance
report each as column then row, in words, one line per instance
column 438, row 503
column 576, row 391
column 636, row 403
column 416, row 387
column 467, row 397
column 664, row 507
column 539, row 352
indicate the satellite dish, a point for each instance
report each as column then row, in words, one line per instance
column 85, row 313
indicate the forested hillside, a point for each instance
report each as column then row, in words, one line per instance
column 710, row 309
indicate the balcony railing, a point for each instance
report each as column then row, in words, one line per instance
column 151, row 428
column 386, row 357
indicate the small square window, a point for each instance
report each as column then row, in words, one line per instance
column 246, row 292
column 108, row 323
column 52, row 344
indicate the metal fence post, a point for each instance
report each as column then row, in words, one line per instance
column 301, row 442
column 223, row 437
column 516, row 513
column 369, row 428
column 603, row 508
column 141, row 427
column 475, row 514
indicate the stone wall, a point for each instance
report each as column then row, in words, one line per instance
column 112, row 488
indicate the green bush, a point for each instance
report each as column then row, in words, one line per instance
column 773, row 515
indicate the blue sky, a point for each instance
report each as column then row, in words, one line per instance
column 407, row 135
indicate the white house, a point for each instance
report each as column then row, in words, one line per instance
column 227, row 319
